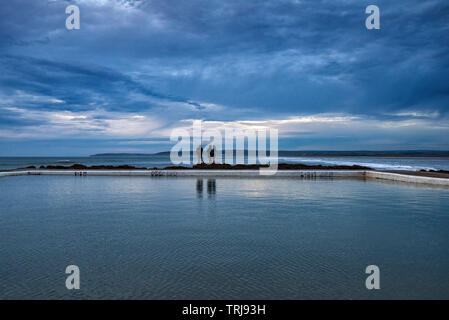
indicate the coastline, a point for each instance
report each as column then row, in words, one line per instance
column 281, row 166
column 241, row 171
column 227, row 167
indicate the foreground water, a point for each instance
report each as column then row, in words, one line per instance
column 161, row 161
column 184, row 238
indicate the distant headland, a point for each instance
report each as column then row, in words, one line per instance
column 296, row 153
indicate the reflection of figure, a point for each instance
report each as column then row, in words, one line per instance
column 199, row 152
column 211, row 187
column 199, row 188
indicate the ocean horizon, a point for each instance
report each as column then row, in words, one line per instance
column 390, row 161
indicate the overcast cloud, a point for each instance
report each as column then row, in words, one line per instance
column 137, row 69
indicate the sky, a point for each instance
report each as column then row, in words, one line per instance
column 137, row 70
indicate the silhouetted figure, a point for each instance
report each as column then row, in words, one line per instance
column 211, row 154
column 199, row 152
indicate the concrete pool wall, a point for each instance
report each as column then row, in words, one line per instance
column 240, row 173
column 406, row 178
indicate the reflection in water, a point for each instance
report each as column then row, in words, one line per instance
column 199, row 188
column 259, row 238
column 211, row 188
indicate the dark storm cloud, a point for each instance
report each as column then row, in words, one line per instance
column 75, row 85
column 257, row 59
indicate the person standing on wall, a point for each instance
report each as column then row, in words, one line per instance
column 212, row 155
column 199, row 152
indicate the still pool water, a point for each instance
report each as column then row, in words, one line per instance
column 224, row 238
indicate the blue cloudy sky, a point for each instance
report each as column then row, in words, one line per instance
column 137, row 69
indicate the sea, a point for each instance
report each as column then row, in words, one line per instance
column 163, row 160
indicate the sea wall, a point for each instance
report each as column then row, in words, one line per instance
column 14, row 173
column 308, row 174
column 406, row 178
column 197, row 173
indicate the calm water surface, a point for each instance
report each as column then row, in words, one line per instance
column 184, row 238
